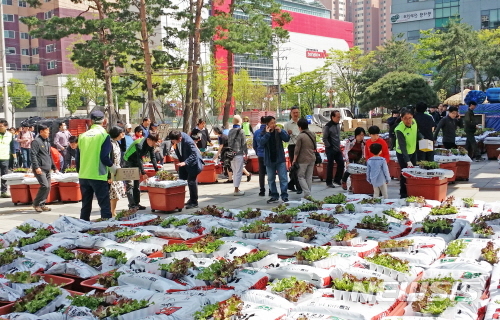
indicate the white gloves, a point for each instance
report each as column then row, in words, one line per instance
column 112, row 169
column 409, row 164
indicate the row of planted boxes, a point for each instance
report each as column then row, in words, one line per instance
column 59, row 191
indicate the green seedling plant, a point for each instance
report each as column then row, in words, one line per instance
column 110, row 279
column 222, row 232
column 251, row 257
column 428, row 165
column 350, row 207
column 88, row 301
column 175, row 247
column 64, row 253
column 371, row 201
column 439, row 225
column 309, row 206
column 291, row 288
column 414, row 199
column 210, row 211
column 388, row 261
column 125, row 233
column 346, row 235
column 123, row 214
column 221, row 311
column 26, row 228
column 37, row 297
column 374, row 223
column 164, row 175
column 351, row 283
column 23, row 277
column 455, row 248
column 489, row 253
column 339, row 198
column 178, row 268
column 218, row 272
column 395, row 244
column 140, row 237
column 119, row 256
column 256, row 227
column 181, row 222
column 167, row 222
column 306, row 233
column 482, row 228
column 93, row 260
column 9, row 255
column 279, row 218
column 400, row 215
column 40, row 234
column 208, row 244
column 323, row 217
column 312, row 253
column 468, row 201
column 443, row 210
column 249, row 214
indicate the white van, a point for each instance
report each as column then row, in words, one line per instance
column 321, row 116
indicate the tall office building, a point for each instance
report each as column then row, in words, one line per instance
column 409, row 17
column 370, row 18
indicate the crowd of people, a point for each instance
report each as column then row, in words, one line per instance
column 99, row 152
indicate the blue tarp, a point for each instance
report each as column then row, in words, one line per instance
column 491, row 112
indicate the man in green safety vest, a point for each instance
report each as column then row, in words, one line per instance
column 6, row 149
column 133, row 159
column 92, row 163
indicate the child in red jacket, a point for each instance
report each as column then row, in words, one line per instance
column 374, row 132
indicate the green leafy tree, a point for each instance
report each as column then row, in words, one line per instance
column 311, row 86
column 18, row 93
column 452, row 53
column 217, row 85
column 395, row 55
column 397, row 89
column 344, row 69
column 254, row 35
column 488, row 68
column 89, row 86
column 74, row 99
column 248, row 93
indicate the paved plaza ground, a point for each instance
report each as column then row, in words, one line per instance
column 484, row 184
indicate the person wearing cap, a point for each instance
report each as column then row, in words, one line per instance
column 190, row 165
column 154, row 128
column 146, row 122
column 142, row 147
column 92, row 163
column 128, row 130
column 237, row 143
column 246, row 127
column 128, row 136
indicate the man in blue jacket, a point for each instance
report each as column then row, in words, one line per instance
column 274, row 158
column 260, row 154
column 190, row 163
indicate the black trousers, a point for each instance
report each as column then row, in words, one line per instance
column 346, row 173
column 425, row 155
column 43, row 192
column 339, row 159
column 471, row 146
column 262, row 175
column 192, row 181
column 293, row 182
column 100, row 188
column 449, row 145
column 402, row 180
column 4, row 169
column 133, row 192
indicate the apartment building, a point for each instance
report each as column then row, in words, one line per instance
column 371, row 20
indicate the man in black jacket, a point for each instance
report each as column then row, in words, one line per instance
column 41, row 163
column 425, row 125
column 449, row 125
column 331, row 139
column 470, row 127
column 71, row 153
column 133, row 159
column 435, row 114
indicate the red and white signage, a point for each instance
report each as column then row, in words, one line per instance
column 316, row 54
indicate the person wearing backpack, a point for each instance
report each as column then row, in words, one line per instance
column 238, row 150
column 133, row 159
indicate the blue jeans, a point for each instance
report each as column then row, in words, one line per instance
column 25, row 152
column 100, row 188
column 271, row 180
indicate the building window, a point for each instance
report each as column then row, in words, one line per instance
column 7, row 2
column 50, row 48
column 52, row 101
column 11, row 66
column 48, row 14
column 25, row 52
column 34, row 51
column 24, row 35
column 51, row 65
column 8, row 18
column 490, row 19
column 25, row 67
column 414, row 35
column 9, row 34
column 10, row 50
column 22, row 4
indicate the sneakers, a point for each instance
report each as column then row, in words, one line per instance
column 38, row 209
column 4, row 195
column 344, row 185
column 228, row 181
column 191, row 205
column 330, row 186
column 285, row 199
column 299, row 191
column 139, row 207
column 249, row 177
column 45, row 208
column 262, row 194
column 273, row 200
column 239, row 193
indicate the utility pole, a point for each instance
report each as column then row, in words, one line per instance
column 6, row 104
column 196, row 65
column 147, row 60
column 298, row 94
column 278, row 56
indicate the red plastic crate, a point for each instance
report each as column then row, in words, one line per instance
column 63, row 282
column 88, row 285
